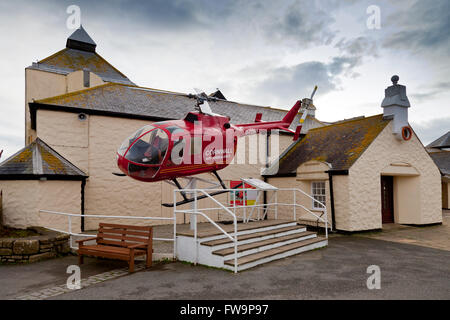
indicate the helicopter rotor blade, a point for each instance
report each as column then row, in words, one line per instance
column 204, row 105
column 314, row 92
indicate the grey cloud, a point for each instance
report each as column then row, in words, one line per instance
column 292, row 83
column 157, row 14
column 299, row 79
column 431, row 130
column 344, row 65
column 305, row 23
column 358, row 46
column 353, row 51
column 425, row 26
column 432, row 92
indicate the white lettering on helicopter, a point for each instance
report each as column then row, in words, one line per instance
column 219, row 147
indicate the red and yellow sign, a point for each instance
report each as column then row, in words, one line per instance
column 238, row 195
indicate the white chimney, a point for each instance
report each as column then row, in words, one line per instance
column 395, row 106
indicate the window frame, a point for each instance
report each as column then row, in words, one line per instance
column 315, row 205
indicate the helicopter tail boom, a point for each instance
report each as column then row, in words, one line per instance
column 273, row 125
column 289, row 117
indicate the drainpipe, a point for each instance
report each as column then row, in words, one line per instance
column 332, row 173
column 267, row 166
column 333, row 221
column 83, row 185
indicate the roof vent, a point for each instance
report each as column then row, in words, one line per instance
column 80, row 40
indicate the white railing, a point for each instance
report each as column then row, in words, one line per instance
column 323, row 206
column 195, row 211
column 69, row 221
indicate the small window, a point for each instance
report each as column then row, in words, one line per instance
column 318, row 193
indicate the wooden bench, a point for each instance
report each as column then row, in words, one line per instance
column 117, row 241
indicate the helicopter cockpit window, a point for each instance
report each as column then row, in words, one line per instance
column 149, row 149
column 123, row 148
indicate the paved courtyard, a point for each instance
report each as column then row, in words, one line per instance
column 437, row 236
column 414, row 264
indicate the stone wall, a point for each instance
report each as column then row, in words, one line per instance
column 48, row 244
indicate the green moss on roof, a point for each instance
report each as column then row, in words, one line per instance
column 38, row 159
column 79, row 96
column 69, row 60
column 339, row 144
column 77, row 60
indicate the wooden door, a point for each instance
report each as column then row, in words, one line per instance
column 387, row 199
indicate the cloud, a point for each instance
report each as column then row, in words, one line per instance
column 298, row 79
column 358, row 47
column 161, row 15
column 304, row 23
column 431, row 130
column 432, row 92
column 424, row 26
column 289, row 82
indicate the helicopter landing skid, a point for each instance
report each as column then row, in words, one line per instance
column 192, row 182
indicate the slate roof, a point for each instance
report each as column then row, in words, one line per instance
column 442, row 160
column 339, row 144
column 38, row 160
column 80, row 54
column 80, row 35
column 146, row 102
column 441, row 142
column 69, row 60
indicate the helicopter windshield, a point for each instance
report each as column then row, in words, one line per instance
column 124, row 147
column 150, row 148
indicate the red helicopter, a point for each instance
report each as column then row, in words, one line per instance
column 201, row 142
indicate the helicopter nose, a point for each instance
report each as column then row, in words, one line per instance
column 122, row 164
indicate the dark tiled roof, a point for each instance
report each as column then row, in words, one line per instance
column 39, row 160
column 339, row 144
column 133, row 100
column 69, row 60
column 80, row 35
column 442, row 142
column 218, row 94
column 442, row 160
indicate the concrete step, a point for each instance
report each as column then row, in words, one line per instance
column 252, row 260
column 257, row 236
column 210, row 232
column 261, row 245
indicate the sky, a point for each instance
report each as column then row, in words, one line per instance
column 268, row 53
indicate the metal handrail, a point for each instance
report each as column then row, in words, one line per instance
column 196, row 211
column 70, row 215
column 309, row 211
